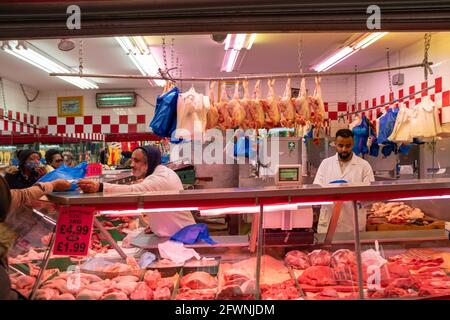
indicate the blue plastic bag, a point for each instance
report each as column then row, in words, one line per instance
column 193, row 233
column 66, row 173
column 164, row 121
column 245, row 147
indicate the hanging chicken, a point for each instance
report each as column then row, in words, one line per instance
column 235, row 109
column 222, row 108
column 212, row 117
column 302, row 109
column 257, row 107
column 317, row 106
column 271, row 107
column 286, row 107
column 246, row 102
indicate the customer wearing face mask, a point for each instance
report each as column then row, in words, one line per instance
column 29, row 171
column 54, row 159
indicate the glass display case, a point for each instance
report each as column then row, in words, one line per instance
column 401, row 249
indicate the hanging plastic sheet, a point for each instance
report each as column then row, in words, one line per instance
column 164, row 121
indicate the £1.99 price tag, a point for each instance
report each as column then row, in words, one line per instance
column 73, row 231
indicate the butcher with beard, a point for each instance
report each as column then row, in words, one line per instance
column 343, row 167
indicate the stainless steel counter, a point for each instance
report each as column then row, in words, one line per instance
column 380, row 190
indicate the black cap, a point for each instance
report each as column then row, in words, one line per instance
column 23, row 155
column 50, row 153
column 153, row 158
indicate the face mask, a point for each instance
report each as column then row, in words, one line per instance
column 31, row 165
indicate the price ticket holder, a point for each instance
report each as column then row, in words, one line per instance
column 72, row 237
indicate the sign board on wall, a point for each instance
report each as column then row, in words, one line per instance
column 70, row 106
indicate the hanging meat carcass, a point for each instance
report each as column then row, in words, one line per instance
column 271, row 107
column 257, row 107
column 222, row 107
column 301, row 104
column 212, row 117
column 286, row 107
column 317, row 106
column 235, row 109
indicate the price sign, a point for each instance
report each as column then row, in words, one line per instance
column 73, row 231
column 94, row 169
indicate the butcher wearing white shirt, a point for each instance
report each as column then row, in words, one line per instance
column 348, row 167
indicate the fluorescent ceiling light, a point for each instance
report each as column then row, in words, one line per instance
column 343, row 53
column 137, row 50
column 368, row 40
column 43, row 61
column 234, row 43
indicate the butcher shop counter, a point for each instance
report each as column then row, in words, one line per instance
column 225, row 197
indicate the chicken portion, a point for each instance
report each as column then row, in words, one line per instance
column 245, row 103
column 212, row 117
column 225, row 118
column 235, row 109
column 301, row 104
column 256, row 107
column 270, row 106
column 286, row 107
column 316, row 105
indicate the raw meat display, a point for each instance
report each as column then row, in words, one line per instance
column 271, row 107
column 212, row 117
column 27, row 257
column 188, row 294
column 301, row 104
column 225, row 118
column 286, row 107
column 297, row 259
column 235, row 109
column 197, row 285
column 318, row 276
column 91, row 287
column 281, row 291
column 397, row 212
column 198, row 280
column 237, row 281
column 343, row 257
column 320, row 258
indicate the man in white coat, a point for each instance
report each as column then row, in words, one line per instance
column 346, row 167
column 152, row 176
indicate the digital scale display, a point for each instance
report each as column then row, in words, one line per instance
column 288, row 174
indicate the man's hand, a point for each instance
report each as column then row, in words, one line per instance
column 88, row 186
column 61, row 185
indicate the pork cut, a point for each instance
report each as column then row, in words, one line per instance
column 198, row 280
column 297, row 259
column 320, row 258
column 318, row 276
column 343, row 257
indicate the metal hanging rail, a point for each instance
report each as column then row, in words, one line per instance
column 385, row 104
column 249, row 77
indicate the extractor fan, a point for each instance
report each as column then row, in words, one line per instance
column 66, row 45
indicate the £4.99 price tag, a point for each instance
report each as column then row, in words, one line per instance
column 73, row 231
